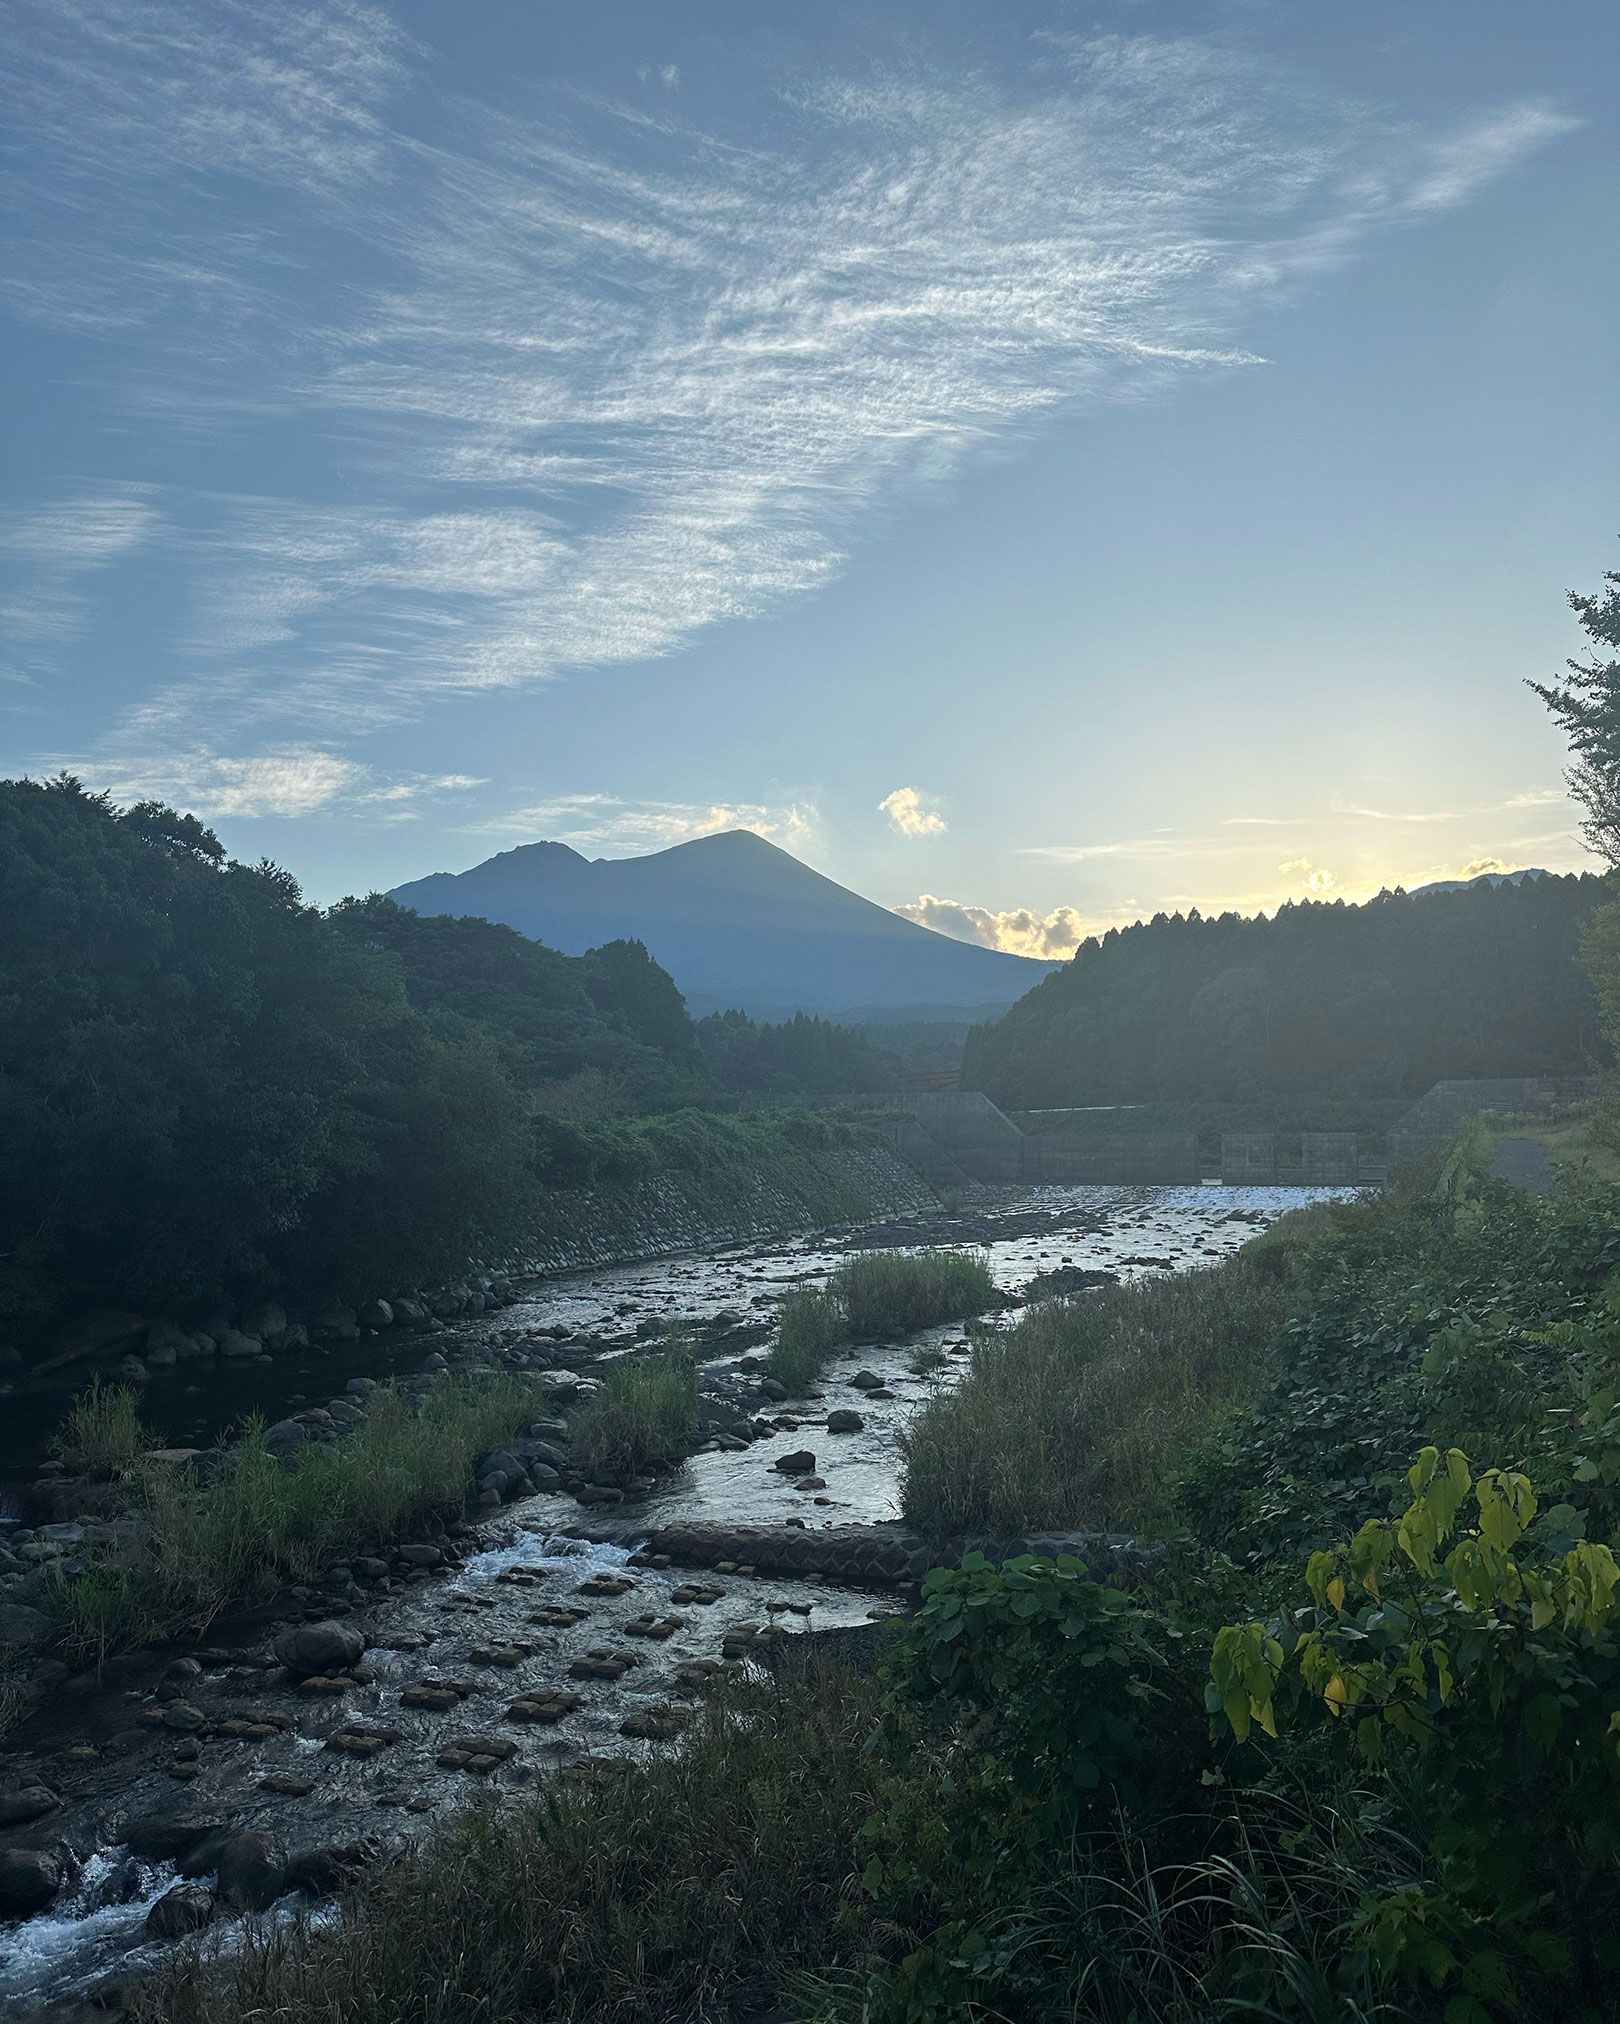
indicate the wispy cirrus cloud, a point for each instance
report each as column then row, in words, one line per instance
column 287, row 781
column 612, row 824
column 603, row 376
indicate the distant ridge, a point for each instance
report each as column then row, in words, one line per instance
column 1485, row 878
column 736, row 922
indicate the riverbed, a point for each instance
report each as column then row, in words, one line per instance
column 496, row 1627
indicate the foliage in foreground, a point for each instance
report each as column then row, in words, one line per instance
column 875, row 1293
column 204, row 1547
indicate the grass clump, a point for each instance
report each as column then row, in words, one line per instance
column 811, row 1328
column 1068, row 1418
column 875, row 1293
column 644, row 1417
column 260, row 1522
column 898, row 1292
column 684, row 1890
column 101, row 1433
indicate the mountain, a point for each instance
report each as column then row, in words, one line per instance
column 1485, row 878
column 735, row 921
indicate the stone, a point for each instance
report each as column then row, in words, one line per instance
column 183, row 1669
column 547, row 1706
column 183, row 1716
column 544, row 1477
column 33, row 1802
column 29, row 1879
column 810, row 1483
column 286, row 1785
column 185, row 1909
column 251, row 1875
column 162, row 1837
column 376, row 1314
column 843, row 1421
column 318, row 1872
column 133, row 1371
column 800, row 1463
column 866, row 1380
column 475, row 1753
column 319, row 1648
column 20, row 1625
column 773, row 1388
column 164, row 1357
column 656, row 1725
column 285, row 1436
column 266, row 1318
column 235, row 1343
column 420, row 1554
column 172, row 1457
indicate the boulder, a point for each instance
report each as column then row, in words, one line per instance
column 866, row 1380
column 410, row 1311
column 133, row 1371
column 251, row 1874
column 233, row 1342
column 377, row 1314
column 158, row 1837
column 544, row 1477
column 185, row 1909
column 420, row 1554
column 499, row 1460
column 800, row 1463
column 183, row 1716
column 33, row 1802
column 773, row 1388
column 320, row 1871
column 265, row 1319
column 20, row 1625
column 294, row 1336
column 285, row 1436
column 164, row 1357
column 29, row 1879
column 843, row 1421
column 311, row 1649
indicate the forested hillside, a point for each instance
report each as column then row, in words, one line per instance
column 1376, row 1000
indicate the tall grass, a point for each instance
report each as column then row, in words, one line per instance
column 645, row 1414
column 101, row 1432
column 897, row 1292
column 875, row 1293
column 1068, row 1418
column 260, row 1521
column 684, row 1890
column 811, row 1328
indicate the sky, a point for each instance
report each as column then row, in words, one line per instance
column 1041, row 464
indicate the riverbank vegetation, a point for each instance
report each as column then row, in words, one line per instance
column 644, row 1417
column 875, row 1293
column 214, row 1092
column 261, row 1520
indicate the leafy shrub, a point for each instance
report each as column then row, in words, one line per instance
column 644, row 1416
column 1493, row 1675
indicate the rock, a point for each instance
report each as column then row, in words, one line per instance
column 20, row 1625
column 377, row 1314
column 811, row 1483
column 320, row 1871
column 420, row 1554
column 544, row 1477
column 163, row 1357
column 33, row 1802
column 285, row 1437
column 316, row 1648
column 175, row 1457
column 251, row 1875
column 133, row 1371
column 158, row 1837
column 360, row 1387
column 843, row 1421
column 183, row 1716
column 185, row 1909
column 265, row 1319
column 294, row 1336
column 866, row 1380
column 29, row 1879
column 773, row 1388
column 410, row 1311
column 498, row 1459
column 800, row 1463
column 233, row 1342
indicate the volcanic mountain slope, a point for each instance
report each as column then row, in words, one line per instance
column 736, row 922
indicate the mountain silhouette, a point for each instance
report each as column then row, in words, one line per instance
column 735, row 921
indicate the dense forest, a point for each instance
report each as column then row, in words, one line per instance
column 1380, row 1000
column 208, row 1086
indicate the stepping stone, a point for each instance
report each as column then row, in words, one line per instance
column 183, row 1771
column 363, row 1742
column 523, row 1576
column 604, row 1663
column 696, row 1592
column 737, row 1640
column 549, row 1706
column 436, row 1695
column 478, row 1754
column 607, row 1584
column 508, row 1656
column 699, row 1675
column 288, row 1786
column 319, row 1683
column 656, row 1725
column 659, row 1627
column 558, row 1616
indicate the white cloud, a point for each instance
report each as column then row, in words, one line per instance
column 1020, row 930
column 908, row 816
column 291, row 780
column 1317, row 881
column 604, row 821
column 56, row 548
column 636, row 378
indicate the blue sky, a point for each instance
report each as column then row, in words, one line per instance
column 1039, row 463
